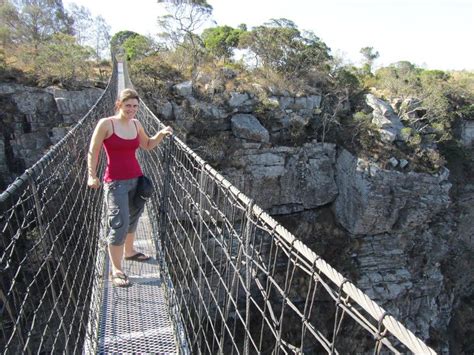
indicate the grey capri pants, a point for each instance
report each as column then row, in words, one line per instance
column 122, row 215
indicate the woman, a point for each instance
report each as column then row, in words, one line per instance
column 121, row 135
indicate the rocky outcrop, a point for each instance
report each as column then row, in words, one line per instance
column 383, row 116
column 285, row 180
column 33, row 119
column 388, row 220
column 72, row 105
column 403, row 273
column 184, row 89
column 372, row 200
column 248, row 127
column 467, row 133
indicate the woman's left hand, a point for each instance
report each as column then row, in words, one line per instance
column 167, row 131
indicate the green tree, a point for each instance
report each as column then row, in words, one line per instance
column 138, row 47
column 400, row 79
column 279, row 45
column 220, row 41
column 369, row 56
column 119, row 39
column 63, row 60
column 39, row 20
column 180, row 26
column 9, row 20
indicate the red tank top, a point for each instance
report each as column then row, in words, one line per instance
column 122, row 162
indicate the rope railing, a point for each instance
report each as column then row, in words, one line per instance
column 242, row 284
column 49, row 243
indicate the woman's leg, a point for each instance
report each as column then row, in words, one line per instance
column 130, row 252
column 118, row 219
column 135, row 212
column 116, row 255
column 129, row 248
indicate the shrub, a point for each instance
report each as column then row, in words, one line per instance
column 405, row 133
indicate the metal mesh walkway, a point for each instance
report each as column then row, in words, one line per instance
column 137, row 319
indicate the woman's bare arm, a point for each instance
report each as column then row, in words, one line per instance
column 100, row 133
column 148, row 143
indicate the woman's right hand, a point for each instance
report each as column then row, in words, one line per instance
column 93, row 182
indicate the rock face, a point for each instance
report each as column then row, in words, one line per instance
column 248, row 127
column 285, row 180
column 72, row 105
column 402, row 272
column 372, row 200
column 33, row 119
column 384, row 118
column 388, row 220
column 467, row 133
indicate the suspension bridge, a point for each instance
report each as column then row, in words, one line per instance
column 225, row 277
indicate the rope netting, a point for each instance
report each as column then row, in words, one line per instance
column 241, row 283
column 50, row 227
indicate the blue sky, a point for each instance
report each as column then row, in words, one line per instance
column 436, row 34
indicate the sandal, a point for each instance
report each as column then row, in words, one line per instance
column 120, row 280
column 138, row 257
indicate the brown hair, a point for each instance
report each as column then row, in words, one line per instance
column 125, row 95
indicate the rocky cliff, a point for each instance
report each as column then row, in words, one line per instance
column 33, row 119
column 388, row 227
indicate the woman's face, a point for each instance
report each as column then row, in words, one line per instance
column 129, row 108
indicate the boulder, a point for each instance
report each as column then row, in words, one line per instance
column 383, row 116
column 184, row 89
column 248, row 127
column 241, row 102
column 467, row 133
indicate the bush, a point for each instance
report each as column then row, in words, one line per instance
column 405, row 133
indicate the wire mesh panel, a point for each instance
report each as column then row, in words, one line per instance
column 241, row 283
column 50, row 228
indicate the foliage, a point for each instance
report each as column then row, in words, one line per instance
column 138, row 47
column 440, row 96
column 151, row 73
column 399, row 80
column 220, row 41
column 345, row 77
column 9, row 18
column 202, row 3
column 180, row 26
column 33, row 30
column 39, row 20
column 279, row 45
column 63, row 60
column 369, row 56
column 118, row 39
